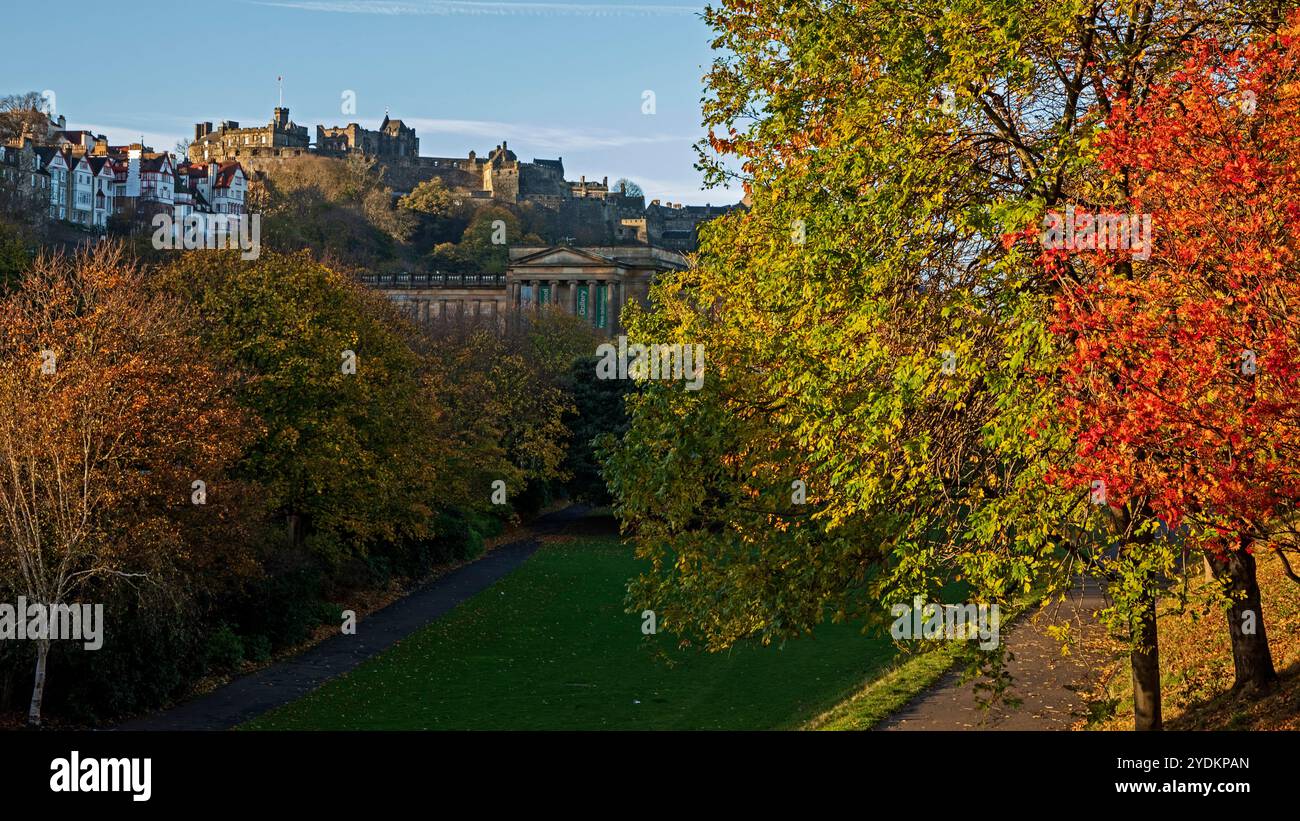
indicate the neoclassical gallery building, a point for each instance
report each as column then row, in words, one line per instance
column 591, row 282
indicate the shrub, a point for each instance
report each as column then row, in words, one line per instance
column 224, row 650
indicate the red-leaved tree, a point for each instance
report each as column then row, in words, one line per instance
column 1183, row 383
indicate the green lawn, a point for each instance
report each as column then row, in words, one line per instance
column 549, row 647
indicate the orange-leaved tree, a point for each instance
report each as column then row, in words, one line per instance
column 109, row 414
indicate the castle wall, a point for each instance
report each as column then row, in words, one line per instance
column 460, row 174
column 580, row 212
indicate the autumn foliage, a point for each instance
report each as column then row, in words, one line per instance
column 110, row 413
column 1182, row 385
column 884, row 329
column 1185, row 371
column 187, row 445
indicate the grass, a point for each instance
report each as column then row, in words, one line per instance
column 889, row 693
column 911, row 674
column 549, row 647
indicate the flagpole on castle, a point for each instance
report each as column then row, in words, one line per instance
column 280, row 81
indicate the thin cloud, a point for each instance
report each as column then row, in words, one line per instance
column 540, row 138
column 125, row 135
column 496, row 8
column 690, row 192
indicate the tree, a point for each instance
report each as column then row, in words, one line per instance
column 508, row 397
column 442, row 215
column 1185, row 368
column 488, row 238
column 14, row 256
column 867, row 334
column 335, row 208
column 627, row 188
column 110, row 410
column 23, row 112
column 355, row 448
column 597, row 422
column 432, row 197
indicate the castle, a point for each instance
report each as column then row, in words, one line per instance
column 585, row 212
column 229, row 142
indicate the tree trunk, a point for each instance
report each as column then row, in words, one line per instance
column 1144, row 655
column 38, row 687
column 1145, row 661
column 294, row 523
column 1251, row 657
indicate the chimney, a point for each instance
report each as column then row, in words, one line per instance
column 583, row 179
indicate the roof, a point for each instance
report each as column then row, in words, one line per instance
column 75, row 136
column 154, row 163
column 646, row 256
column 48, row 153
column 226, row 174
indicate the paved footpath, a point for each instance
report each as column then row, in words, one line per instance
column 291, row 679
column 1047, row 683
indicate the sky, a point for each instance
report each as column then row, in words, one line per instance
column 553, row 79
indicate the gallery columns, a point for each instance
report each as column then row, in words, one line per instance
column 573, row 295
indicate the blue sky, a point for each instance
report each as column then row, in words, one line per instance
column 555, row 79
